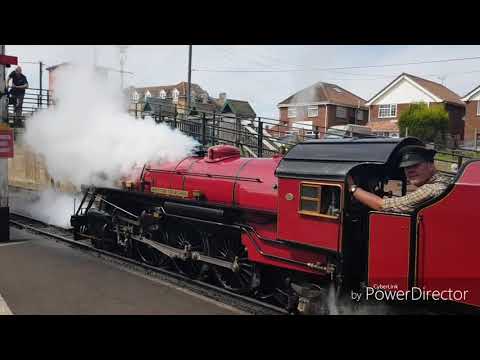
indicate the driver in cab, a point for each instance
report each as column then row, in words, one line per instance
column 420, row 171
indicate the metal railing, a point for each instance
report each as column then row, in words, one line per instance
column 257, row 137
column 33, row 101
column 450, row 160
column 264, row 137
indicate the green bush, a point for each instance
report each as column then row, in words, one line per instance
column 429, row 124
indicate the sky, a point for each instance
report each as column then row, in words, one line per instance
column 154, row 65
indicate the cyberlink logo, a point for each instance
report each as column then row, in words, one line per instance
column 391, row 292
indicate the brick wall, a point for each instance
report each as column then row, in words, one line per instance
column 472, row 121
column 456, row 125
column 455, row 113
column 28, row 170
column 333, row 120
column 319, row 120
column 375, row 108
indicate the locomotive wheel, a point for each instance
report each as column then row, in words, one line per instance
column 151, row 256
column 181, row 235
column 100, row 231
column 243, row 281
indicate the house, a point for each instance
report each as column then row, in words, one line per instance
column 235, row 108
column 389, row 103
column 323, row 105
column 472, row 116
column 176, row 94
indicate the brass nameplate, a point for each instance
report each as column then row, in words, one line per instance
column 170, row 192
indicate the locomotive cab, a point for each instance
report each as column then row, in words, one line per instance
column 316, row 211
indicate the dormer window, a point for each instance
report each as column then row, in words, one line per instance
column 163, row 94
column 147, row 95
column 175, row 94
column 135, row 96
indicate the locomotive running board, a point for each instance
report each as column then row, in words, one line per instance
column 186, row 254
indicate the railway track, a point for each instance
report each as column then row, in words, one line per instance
column 246, row 304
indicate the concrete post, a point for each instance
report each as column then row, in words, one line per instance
column 4, row 209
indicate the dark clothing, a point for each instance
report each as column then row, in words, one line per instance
column 17, row 107
column 18, row 80
column 17, row 94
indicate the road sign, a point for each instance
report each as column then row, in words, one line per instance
column 6, row 143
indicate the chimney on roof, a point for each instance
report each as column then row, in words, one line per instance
column 222, row 97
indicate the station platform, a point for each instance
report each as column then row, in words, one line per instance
column 39, row 276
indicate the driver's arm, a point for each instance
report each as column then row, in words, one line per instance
column 371, row 200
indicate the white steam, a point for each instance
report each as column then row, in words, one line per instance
column 346, row 306
column 88, row 138
column 49, row 206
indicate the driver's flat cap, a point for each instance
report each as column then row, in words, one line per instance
column 414, row 154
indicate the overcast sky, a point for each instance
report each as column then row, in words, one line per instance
column 165, row 65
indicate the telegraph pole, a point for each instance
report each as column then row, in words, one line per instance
column 123, row 55
column 189, row 76
column 41, row 83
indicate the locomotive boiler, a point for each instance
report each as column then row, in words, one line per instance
column 285, row 228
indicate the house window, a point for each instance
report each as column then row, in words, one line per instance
column 360, row 115
column 312, row 111
column 163, row 94
column 292, row 112
column 175, row 94
column 341, row 112
column 135, row 96
column 478, row 108
column 320, row 200
column 387, row 111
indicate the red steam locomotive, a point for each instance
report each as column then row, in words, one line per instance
column 286, row 229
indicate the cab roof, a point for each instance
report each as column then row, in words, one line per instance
column 334, row 158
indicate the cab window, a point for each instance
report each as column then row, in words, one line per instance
column 320, row 200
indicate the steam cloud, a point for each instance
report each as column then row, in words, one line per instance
column 88, row 138
column 49, row 206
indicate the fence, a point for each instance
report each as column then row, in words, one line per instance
column 33, row 101
column 258, row 137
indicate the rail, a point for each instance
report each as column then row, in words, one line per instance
column 245, row 303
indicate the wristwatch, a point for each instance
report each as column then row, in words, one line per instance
column 353, row 188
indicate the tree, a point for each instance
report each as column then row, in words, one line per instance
column 429, row 124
